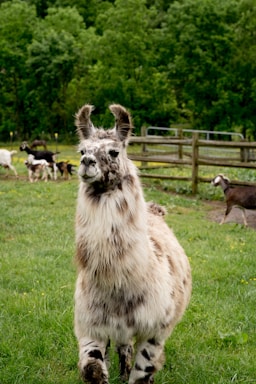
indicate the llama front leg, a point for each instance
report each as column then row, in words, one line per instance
column 92, row 361
column 148, row 360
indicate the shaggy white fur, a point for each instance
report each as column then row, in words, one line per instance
column 134, row 279
column 6, row 159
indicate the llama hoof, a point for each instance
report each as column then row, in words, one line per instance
column 146, row 380
column 124, row 378
column 92, row 374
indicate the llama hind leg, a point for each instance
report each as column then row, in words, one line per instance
column 125, row 353
column 149, row 359
column 92, row 361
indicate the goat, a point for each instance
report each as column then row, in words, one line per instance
column 243, row 197
column 6, row 159
column 36, row 167
column 34, row 171
column 37, row 143
column 38, row 155
column 134, row 279
column 66, row 168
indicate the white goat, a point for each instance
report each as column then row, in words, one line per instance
column 6, row 159
column 36, row 167
column 243, row 197
column 134, row 279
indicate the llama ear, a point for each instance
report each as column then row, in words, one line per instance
column 123, row 122
column 84, row 126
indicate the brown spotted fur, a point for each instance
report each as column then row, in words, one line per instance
column 134, row 279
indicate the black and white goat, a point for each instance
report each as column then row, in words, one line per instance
column 243, row 197
column 134, row 279
column 49, row 156
column 6, row 159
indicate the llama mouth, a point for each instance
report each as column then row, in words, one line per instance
column 89, row 178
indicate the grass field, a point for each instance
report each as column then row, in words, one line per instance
column 214, row 343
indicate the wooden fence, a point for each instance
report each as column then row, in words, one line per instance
column 193, row 158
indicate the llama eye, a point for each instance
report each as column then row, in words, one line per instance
column 82, row 152
column 113, row 153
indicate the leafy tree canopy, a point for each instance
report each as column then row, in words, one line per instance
column 167, row 61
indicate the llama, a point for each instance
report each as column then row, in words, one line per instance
column 134, row 279
column 6, row 160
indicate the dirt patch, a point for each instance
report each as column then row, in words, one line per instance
column 235, row 216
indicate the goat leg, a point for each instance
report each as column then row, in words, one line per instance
column 244, row 217
column 228, row 209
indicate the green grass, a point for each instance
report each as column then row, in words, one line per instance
column 214, row 343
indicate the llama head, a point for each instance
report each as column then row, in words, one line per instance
column 103, row 162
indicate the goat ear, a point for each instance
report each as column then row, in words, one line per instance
column 123, row 122
column 84, row 126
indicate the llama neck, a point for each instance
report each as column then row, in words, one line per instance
column 111, row 229
column 114, row 208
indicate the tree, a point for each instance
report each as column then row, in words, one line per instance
column 17, row 23
column 52, row 57
column 168, row 61
column 202, row 46
column 123, row 65
column 244, row 64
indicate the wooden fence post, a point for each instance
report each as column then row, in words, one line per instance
column 195, row 155
column 244, row 154
column 144, row 148
column 180, row 150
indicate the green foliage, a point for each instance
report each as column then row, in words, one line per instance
column 17, row 23
column 202, row 35
column 169, row 62
column 52, row 57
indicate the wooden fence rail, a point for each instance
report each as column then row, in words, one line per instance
column 194, row 158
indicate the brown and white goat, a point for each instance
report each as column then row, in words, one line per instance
column 36, row 168
column 134, row 279
column 243, row 197
column 66, row 169
column 49, row 156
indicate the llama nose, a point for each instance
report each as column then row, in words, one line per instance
column 88, row 161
